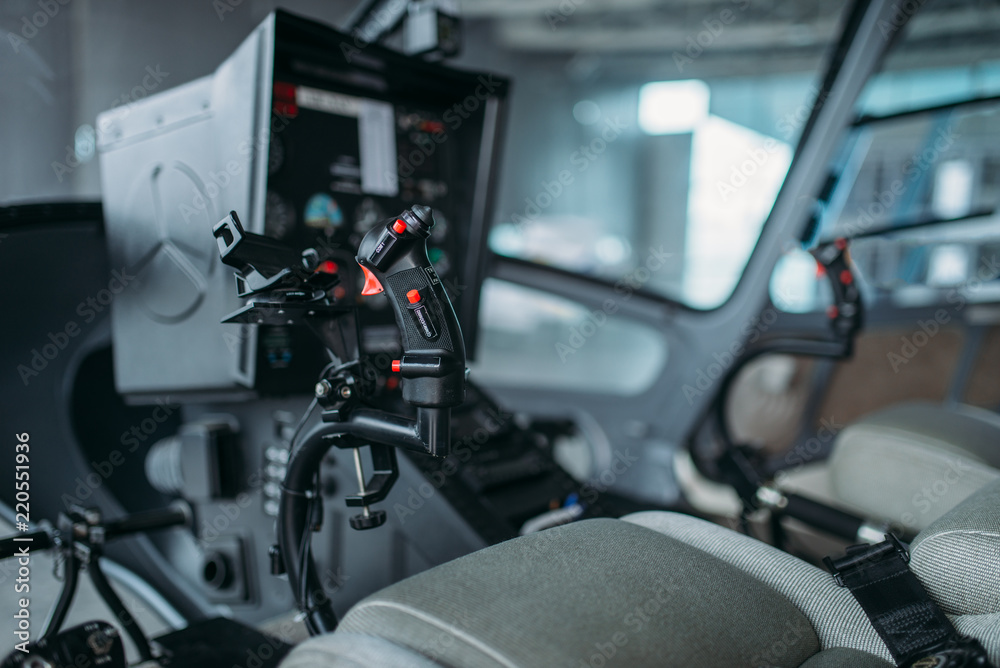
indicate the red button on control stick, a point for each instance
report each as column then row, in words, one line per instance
column 399, row 226
column 396, row 365
column 372, row 286
column 413, row 296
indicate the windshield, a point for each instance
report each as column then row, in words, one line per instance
column 649, row 140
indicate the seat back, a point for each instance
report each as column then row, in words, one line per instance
column 957, row 558
column 910, row 463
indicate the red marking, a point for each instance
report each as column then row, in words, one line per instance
column 846, row 278
column 832, row 312
column 413, row 296
column 284, row 91
column 399, row 226
column 840, row 243
column 396, row 365
column 286, row 109
column 391, row 383
column 372, row 286
column 328, row 267
column 820, row 269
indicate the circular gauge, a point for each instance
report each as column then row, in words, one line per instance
column 275, row 155
column 367, row 214
column 323, row 212
column 440, row 260
column 279, row 216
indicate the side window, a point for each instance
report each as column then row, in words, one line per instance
column 918, row 179
column 921, row 194
column 530, row 337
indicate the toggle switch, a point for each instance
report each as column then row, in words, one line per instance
column 421, row 315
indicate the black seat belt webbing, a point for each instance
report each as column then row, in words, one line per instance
column 913, row 627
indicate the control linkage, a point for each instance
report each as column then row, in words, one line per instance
column 79, row 539
column 289, row 287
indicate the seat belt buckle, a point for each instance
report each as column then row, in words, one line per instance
column 861, row 555
column 954, row 652
column 837, row 576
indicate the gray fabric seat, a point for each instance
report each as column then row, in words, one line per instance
column 911, row 463
column 657, row 589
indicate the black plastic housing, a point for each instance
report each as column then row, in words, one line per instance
column 432, row 366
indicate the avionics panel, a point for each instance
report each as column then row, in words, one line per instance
column 312, row 137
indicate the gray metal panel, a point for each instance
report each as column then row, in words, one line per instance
column 171, row 166
column 423, row 528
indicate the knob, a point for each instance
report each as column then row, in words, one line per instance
column 368, row 520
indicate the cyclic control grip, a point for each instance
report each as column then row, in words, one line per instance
column 394, row 258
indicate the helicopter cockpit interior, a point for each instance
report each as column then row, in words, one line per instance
column 500, row 333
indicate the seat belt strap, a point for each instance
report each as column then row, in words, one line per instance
column 914, row 628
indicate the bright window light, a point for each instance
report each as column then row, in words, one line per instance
column 672, row 107
column 953, row 183
column 948, row 265
column 735, row 175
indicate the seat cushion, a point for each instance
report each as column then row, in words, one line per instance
column 911, row 463
column 834, row 613
column 589, row 594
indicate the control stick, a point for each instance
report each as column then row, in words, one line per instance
column 282, row 283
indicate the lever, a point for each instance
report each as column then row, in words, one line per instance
column 394, row 258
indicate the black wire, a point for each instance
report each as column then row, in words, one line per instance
column 301, row 424
column 305, row 554
column 305, row 544
column 333, row 367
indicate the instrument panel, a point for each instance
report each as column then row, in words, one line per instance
column 338, row 164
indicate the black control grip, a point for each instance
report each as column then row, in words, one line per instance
column 394, row 257
column 150, row 520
